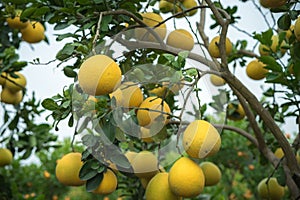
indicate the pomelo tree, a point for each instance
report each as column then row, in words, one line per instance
column 142, row 72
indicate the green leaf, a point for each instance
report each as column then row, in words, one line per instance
column 61, row 26
column 86, row 172
column 105, row 22
column 69, row 72
column 93, row 183
column 89, row 140
column 265, row 37
column 276, row 78
column 14, row 123
column 284, row 22
column 50, row 104
column 120, row 160
column 65, row 52
column 66, row 35
column 271, row 63
column 28, row 12
column 71, row 121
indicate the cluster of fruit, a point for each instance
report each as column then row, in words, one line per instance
column 185, row 178
column 12, row 87
column 101, row 75
column 32, row 31
column 178, row 6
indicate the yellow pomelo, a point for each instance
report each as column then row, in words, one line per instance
column 155, row 105
column 130, row 155
column 118, row 95
column 211, row 172
column 6, row 157
column 165, row 6
column 213, row 47
column 15, row 22
column 158, row 188
column 272, row 3
column 99, row 75
column 297, row 29
column 185, row 5
column 132, row 95
column 255, row 70
column 181, row 38
column 201, row 139
column 265, row 50
column 160, row 91
column 190, row 4
column 3, row 78
column 216, row 80
column 146, row 135
column 151, row 20
column 90, row 104
column 145, row 164
column 34, row 32
column 10, row 97
column 270, row 190
column 67, row 169
column 108, row 184
column 235, row 112
column 15, row 84
column 186, row 178
column 279, row 153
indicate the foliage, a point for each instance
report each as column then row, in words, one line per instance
column 107, row 132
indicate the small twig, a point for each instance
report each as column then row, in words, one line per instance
column 97, row 34
column 73, row 137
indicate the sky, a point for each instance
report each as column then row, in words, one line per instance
column 49, row 80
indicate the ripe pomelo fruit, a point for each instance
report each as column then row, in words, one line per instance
column 255, row 70
column 132, row 95
column 213, row 47
column 99, row 75
column 146, row 135
column 181, row 38
column 272, row 3
column 10, row 97
column 67, row 169
column 151, row 108
column 158, row 188
column 186, row 178
column 6, row 157
column 165, row 6
column 279, row 153
column 145, row 164
column 15, row 21
column 211, row 172
column 130, row 155
column 297, row 29
column 270, row 190
column 15, row 84
column 151, row 20
column 33, row 33
column 235, row 112
column 217, row 80
column 201, row 139
column 108, row 184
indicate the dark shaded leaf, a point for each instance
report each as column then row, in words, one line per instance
column 93, row 183
column 86, row 172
